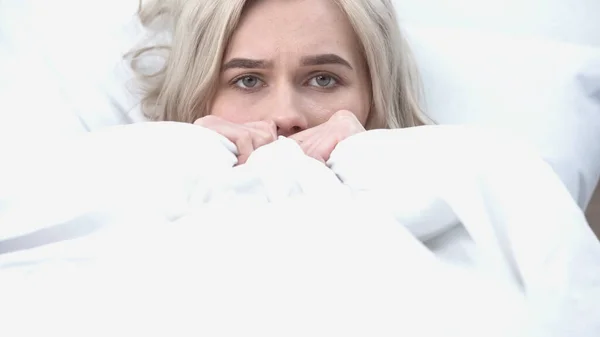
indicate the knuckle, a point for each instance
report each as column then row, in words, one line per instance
column 262, row 138
column 206, row 120
column 200, row 121
column 271, row 125
column 343, row 114
column 245, row 136
column 260, row 125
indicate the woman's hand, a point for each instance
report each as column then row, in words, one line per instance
column 246, row 137
column 318, row 142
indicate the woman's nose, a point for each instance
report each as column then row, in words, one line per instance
column 289, row 123
column 287, row 113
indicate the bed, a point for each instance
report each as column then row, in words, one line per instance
column 112, row 225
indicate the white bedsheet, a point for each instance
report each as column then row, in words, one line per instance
column 429, row 231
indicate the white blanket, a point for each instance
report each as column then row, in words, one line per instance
column 431, row 231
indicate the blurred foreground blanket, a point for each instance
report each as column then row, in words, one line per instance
column 152, row 229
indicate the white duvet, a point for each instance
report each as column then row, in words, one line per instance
column 431, row 231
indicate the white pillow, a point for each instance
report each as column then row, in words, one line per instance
column 546, row 92
column 61, row 65
column 66, row 58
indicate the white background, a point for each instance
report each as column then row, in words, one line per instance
column 576, row 21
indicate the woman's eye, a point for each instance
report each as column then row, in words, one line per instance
column 323, row 81
column 248, row 82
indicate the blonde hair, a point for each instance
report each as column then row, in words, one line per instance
column 199, row 30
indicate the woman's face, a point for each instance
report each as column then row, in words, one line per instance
column 293, row 62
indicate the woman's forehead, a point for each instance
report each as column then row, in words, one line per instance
column 270, row 27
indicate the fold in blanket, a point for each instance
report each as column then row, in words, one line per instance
column 467, row 198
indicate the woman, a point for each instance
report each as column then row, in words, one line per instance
column 317, row 71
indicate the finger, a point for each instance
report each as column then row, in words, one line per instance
column 303, row 136
column 347, row 122
column 209, row 121
column 220, row 126
column 320, row 148
column 320, row 152
column 243, row 142
column 267, row 126
column 247, row 137
column 263, row 132
column 259, row 137
column 242, row 159
column 241, row 137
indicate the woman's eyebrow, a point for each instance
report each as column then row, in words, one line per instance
column 246, row 64
column 317, row 60
column 312, row 60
